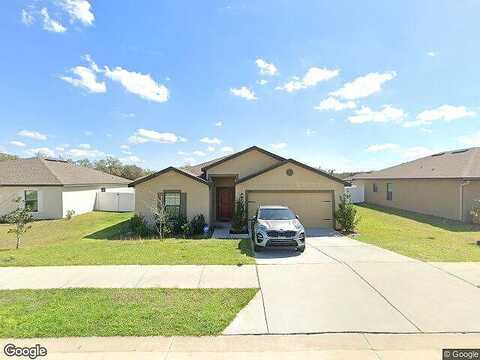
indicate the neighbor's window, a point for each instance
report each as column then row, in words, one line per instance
column 375, row 188
column 389, row 191
column 31, row 200
column 102, row 189
column 172, row 203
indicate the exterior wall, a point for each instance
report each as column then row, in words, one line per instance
column 243, row 165
column 433, row 197
column 49, row 200
column 471, row 196
column 197, row 194
column 302, row 179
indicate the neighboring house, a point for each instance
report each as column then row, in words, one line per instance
column 262, row 177
column 51, row 187
column 446, row 184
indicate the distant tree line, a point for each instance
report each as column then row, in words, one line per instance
column 7, row 157
column 113, row 166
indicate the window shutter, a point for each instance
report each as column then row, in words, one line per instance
column 183, row 204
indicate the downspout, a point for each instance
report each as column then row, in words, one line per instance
column 462, row 186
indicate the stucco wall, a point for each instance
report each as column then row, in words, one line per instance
column 197, row 194
column 245, row 164
column 49, row 200
column 432, row 197
column 471, row 195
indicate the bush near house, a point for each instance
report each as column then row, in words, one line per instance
column 346, row 215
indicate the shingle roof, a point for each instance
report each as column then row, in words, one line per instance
column 197, row 169
column 457, row 164
column 38, row 171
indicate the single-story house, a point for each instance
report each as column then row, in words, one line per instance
column 50, row 187
column 262, row 177
column 446, row 184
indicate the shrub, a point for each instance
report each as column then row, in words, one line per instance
column 20, row 218
column 70, row 214
column 198, row 224
column 177, row 223
column 239, row 220
column 139, row 227
column 346, row 215
column 475, row 212
column 187, row 230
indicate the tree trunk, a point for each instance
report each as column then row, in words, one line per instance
column 18, row 241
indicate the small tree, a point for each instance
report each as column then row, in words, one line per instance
column 240, row 215
column 346, row 215
column 20, row 217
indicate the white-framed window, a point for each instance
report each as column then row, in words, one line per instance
column 172, row 203
column 31, row 200
column 390, row 191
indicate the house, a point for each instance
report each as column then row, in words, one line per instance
column 446, row 184
column 262, row 177
column 50, row 188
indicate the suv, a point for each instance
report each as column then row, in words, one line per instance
column 277, row 226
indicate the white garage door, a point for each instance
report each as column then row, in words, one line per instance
column 313, row 208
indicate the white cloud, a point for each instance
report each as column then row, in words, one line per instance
column 262, row 82
column 79, row 10
column 244, row 93
column 211, row 141
column 226, row 149
column 312, row 77
column 182, row 153
column 142, row 136
column 310, row 132
column 265, row 67
column 51, row 25
column 132, row 159
column 126, row 152
column 17, row 143
column 470, row 140
column 416, row 152
column 333, row 104
column 85, row 146
column 278, row 146
column 189, row 160
column 364, row 86
column 210, row 149
column 219, row 124
column 198, row 153
column 42, row 151
column 383, row 147
column 85, row 153
column 387, row 114
column 86, row 79
column 442, row 113
column 35, row 135
column 432, row 53
column 125, row 147
column 139, row 84
column 27, row 17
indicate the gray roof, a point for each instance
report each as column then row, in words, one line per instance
column 457, row 164
column 196, row 170
column 50, row 172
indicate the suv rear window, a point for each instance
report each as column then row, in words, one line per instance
column 276, row 214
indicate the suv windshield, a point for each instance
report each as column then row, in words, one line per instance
column 276, row 214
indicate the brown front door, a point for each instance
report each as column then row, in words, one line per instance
column 225, row 196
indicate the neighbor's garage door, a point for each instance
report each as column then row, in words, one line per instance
column 313, row 208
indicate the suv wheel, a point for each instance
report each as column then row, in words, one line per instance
column 301, row 249
column 258, row 248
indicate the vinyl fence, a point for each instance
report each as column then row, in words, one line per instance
column 357, row 193
column 115, row 201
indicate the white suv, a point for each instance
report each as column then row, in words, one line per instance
column 277, row 226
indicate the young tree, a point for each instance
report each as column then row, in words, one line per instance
column 240, row 216
column 20, row 218
column 346, row 215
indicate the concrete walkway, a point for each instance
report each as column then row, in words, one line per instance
column 129, row 276
column 294, row 347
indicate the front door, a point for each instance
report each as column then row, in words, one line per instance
column 225, row 201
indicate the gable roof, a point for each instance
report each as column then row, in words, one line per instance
column 297, row 163
column 197, row 169
column 52, row 172
column 168, row 169
column 457, row 164
column 237, row 154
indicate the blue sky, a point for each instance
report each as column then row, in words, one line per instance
column 346, row 85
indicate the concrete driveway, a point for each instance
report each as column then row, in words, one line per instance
column 339, row 285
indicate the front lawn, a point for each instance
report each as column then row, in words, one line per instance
column 419, row 236
column 92, row 239
column 119, row 312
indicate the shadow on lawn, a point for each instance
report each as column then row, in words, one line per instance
column 120, row 231
column 445, row 224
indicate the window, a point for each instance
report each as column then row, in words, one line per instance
column 276, row 214
column 31, row 200
column 172, row 203
column 375, row 188
column 102, row 189
column 389, row 191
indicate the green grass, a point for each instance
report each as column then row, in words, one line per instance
column 419, row 236
column 93, row 239
column 119, row 312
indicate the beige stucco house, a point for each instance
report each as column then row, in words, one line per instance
column 262, row 177
column 446, row 184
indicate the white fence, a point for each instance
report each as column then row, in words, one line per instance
column 357, row 193
column 115, row 201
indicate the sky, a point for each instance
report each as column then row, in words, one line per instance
column 343, row 85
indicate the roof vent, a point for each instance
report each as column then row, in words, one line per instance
column 460, row 151
column 439, row 154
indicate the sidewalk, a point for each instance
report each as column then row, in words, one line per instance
column 323, row 346
column 129, row 276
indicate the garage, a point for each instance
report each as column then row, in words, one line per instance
column 313, row 207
